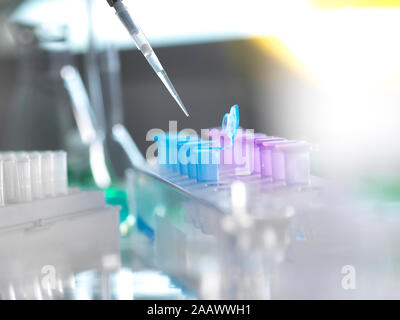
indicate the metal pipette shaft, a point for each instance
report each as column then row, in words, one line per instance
column 144, row 46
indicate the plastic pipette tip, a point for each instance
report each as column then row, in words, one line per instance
column 180, row 103
column 168, row 84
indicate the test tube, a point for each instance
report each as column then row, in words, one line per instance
column 278, row 161
column 266, row 147
column 258, row 138
column 182, row 158
column 167, row 150
column 297, row 162
column 162, row 150
column 247, row 148
column 244, row 149
column 207, row 168
column 48, row 174
column 173, row 151
column 221, row 139
column 239, row 149
column 23, row 179
column 191, row 165
column 264, row 155
column 2, row 200
column 60, row 172
column 184, row 152
column 193, row 156
column 36, row 175
column 9, row 177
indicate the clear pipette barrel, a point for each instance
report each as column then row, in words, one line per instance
column 144, row 46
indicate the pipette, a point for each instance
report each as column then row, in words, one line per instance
column 144, row 46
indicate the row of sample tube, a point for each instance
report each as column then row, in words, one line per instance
column 29, row 176
column 191, row 156
column 249, row 153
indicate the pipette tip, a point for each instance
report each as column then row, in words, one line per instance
column 181, row 105
column 144, row 46
column 168, row 84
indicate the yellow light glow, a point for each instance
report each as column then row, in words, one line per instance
column 346, row 44
column 354, row 3
column 279, row 51
column 351, row 49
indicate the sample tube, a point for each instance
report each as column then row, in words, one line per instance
column 278, row 161
column 297, row 162
column 184, row 152
column 167, row 150
column 48, row 174
column 240, row 148
column 266, row 147
column 31, row 176
column 192, row 157
column 36, row 175
column 9, row 176
column 2, row 200
column 222, row 139
column 23, row 179
column 173, row 150
column 257, row 153
column 183, row 155
column 60, row 172
column 207, row 168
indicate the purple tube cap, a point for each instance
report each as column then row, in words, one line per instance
column 261, row 140
column 250, row 137
column 274, row 143
column 295, row 146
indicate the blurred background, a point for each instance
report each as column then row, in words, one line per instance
column 324, row 71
